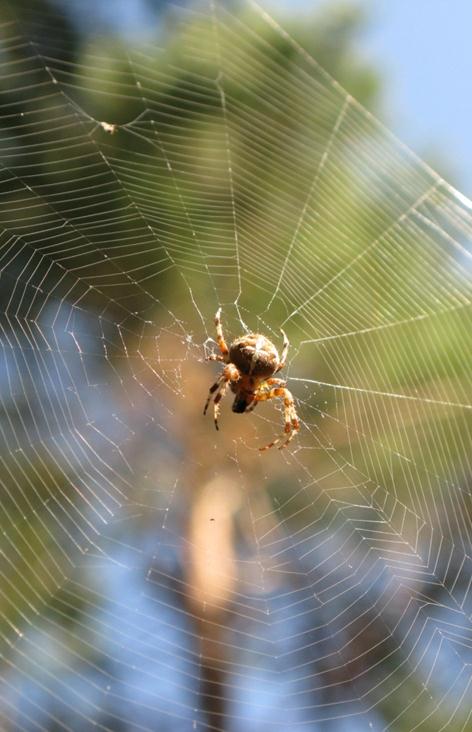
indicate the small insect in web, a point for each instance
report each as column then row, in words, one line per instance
column 251, row 362
column 108, row 127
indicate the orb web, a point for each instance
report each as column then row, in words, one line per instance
column 157, row 574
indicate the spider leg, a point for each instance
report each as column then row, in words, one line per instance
column 214, row 387
column 215, row 357
column 230, row 373
column 219, row 334
column 252, row 407
column 283, row 357
column 270, row 382
column 292, row 425
column 216, row 404
column 267, row 382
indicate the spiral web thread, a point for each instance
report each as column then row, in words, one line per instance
column 256, row 184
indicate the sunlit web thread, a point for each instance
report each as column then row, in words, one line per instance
column 366, row 539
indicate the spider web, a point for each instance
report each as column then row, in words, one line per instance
column 159, row 575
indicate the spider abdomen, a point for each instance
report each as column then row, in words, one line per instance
column 254, row 355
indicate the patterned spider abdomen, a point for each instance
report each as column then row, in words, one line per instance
column 254, row 355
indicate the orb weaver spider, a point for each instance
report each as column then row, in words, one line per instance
column 251, row 362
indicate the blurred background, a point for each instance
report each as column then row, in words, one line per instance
column 160, row 162
column 423, row 57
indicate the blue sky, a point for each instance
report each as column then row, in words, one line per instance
column 423, row 49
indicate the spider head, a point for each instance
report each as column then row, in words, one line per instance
column 241, row 403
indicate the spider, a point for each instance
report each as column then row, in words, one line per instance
column 251, row 361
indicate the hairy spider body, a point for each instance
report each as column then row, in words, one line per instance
column 256, row 359
column 251, row 362
column 255, row 356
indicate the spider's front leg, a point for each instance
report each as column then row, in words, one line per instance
column 220, row 339
column 230, row 373
column 219, row 335
column 292, row 424
column 283, row 357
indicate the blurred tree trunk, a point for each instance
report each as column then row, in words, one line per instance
column 211, row 578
